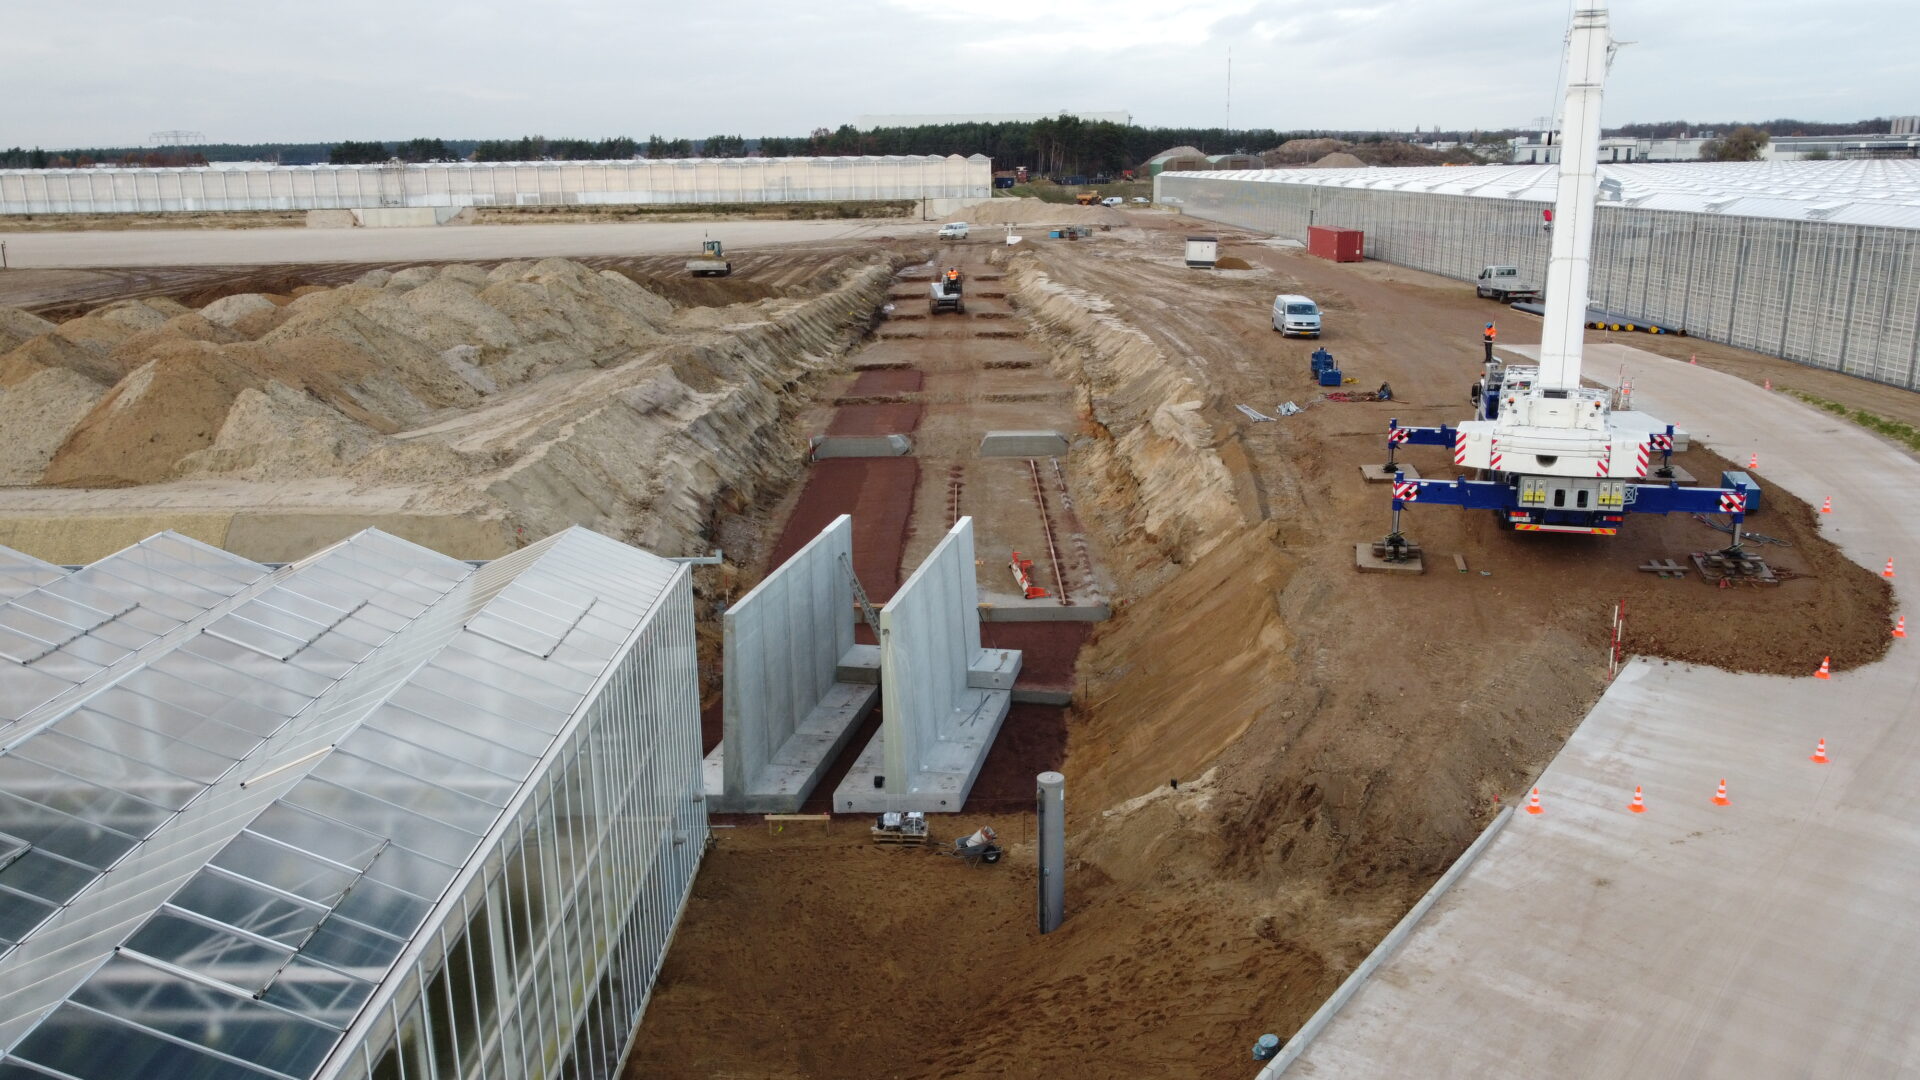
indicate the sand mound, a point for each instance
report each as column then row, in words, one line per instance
column 539, row 393
column 241, row 309
column 1233, row 262
column 1038, row 212
column 55, row 351
column 17, row 326
column 1339, row 159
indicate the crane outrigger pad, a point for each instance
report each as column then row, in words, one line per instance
column 1374, row 557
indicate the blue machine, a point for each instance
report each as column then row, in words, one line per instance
column 1320, row 361
column 1331, row 376
column 1740, row 479
column 1550, row 504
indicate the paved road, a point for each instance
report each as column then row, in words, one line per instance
column 193, row 247
column 1775, row 937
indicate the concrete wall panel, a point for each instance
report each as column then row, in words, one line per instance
column 784, row 642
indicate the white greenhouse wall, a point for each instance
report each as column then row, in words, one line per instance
column 1844, row 297
column 460, row 184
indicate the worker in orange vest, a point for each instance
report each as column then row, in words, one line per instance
column 1490, row 332
column 1486, row 341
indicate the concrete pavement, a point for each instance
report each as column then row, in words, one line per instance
column 1771, row 938
column 222, row 247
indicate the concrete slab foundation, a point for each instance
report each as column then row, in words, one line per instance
column 860, row 664
column 783, row 783
column 940, row 786
column 1014, row 609
column 1365, row 561
column 844, row 446
column 1023, row 444
column 1373, row 474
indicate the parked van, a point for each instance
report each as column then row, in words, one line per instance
column 953, row 230
column 1295, row 315
column 1112, row 200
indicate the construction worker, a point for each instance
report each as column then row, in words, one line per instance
column 1489, row 334
column 1486, row 341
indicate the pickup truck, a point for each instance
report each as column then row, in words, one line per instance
column 1504, row 283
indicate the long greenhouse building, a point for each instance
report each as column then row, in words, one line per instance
column 1814, row 261
column 378, row 814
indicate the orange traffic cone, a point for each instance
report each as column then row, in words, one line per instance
column 1533, row 802
column 1720, row 797
column 1769, row 384
column 1753, row 462
column 1826, row 669
column 1888, row 572
column 1900, row 627
column 1827, row 506
column 1819, row 753
column 1639, row 803
column 1693, row 358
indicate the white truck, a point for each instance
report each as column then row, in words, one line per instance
column 1504, row 283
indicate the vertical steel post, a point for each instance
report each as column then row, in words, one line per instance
column 1050, row 802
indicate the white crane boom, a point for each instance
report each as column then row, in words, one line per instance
column 1589, row 54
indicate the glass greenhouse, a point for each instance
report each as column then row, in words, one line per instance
column 376, row 814
column 1813, row 261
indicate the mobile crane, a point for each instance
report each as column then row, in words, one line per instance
column 1550, row 454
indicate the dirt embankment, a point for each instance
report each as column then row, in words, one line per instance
column 538, row 394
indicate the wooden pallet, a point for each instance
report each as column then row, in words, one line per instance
column 894, row 836
column 1665, row 568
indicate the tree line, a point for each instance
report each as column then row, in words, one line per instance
column 1062, row 145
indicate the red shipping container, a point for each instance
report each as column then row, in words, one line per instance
column 1339, row 245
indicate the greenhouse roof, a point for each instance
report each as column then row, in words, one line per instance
column 231, row 795
column 1870, row 192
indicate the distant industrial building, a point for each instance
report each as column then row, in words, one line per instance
column 894, row 120
column 1545, row 149
column 378, row 814
column 1814, row 261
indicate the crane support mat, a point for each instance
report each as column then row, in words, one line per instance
column 1369, row 557
column 1723, row 570
column 1374, row 474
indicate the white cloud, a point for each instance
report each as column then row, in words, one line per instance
column 112, row 71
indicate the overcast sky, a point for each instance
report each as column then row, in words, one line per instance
column 110, row 72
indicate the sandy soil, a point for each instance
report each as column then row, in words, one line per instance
column 1336, row 738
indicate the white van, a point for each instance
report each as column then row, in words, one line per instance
column 1296, row 315
column 953, row 230
column 1112, row 200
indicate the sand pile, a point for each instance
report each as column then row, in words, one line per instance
column 1038, row 212
column 538, row 394
column 1339, row 159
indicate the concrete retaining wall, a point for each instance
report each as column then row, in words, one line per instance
column 943, row 697
column 787, row 713
column 457, row 184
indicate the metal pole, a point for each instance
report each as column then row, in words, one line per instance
column 1050, row 799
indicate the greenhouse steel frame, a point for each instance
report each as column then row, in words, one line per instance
column 377, row 814
column 1769, row 261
